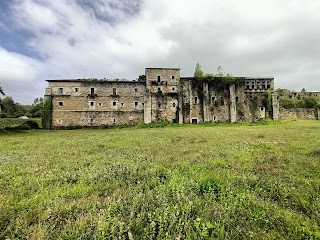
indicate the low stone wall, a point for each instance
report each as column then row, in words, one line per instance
column 298, row 114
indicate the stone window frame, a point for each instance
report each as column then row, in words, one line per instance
column 60, row 103
column 59, row 121
column 60, row 91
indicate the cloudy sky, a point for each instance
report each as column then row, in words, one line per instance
column 59, row 39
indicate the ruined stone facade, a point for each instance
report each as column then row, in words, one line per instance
column 161, row 95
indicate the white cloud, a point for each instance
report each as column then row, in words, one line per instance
column 108, row 38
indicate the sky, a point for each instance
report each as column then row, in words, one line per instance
column 63, row 39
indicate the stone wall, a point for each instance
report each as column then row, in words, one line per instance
column 298, row 114
column 95, row 118
column 162, row 91
column 94, row 103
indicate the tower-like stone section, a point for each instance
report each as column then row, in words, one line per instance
column 162, row 101
column 206, row 106
column 275, row 106
column 233, row 104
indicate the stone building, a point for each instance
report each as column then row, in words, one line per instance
column 160, row 95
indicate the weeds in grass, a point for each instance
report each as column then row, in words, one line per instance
column 189, row 182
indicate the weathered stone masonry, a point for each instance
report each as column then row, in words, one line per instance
column 160, row 95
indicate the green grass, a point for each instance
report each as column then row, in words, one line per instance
column 13, row 122
column 205, row 181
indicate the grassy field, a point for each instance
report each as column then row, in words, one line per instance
column 186, row 182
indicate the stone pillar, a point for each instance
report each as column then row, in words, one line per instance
column 147, row 107
column 191, row 101
column 205, row 103
column 275, row 106
column 180, row 104
column 233, row 104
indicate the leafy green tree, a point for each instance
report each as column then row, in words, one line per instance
column 220, row 72
column 303, row 90
column 208, row 75
column 1, row 91
column 198, row 73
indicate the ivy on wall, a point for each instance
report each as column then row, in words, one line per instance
column 47, row 113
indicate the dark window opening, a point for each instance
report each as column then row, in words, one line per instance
column 222, row 101
column 237, row 99
column 60, row 104
column 114, row 120
column 159, row 78
column 114, row 103
column 213, row 99
column 91, row 120
column 60, row 91
column 195, row 100
column 136, row 104
column 159, row 104
column 114, row 91
column 159, row 89
column 136, row 90
column 100, row 104
column 262, row 108
column 142, row 104
column 76, row 89
column 122, row 104
column 173, row 104
column 172, row 77
column 173, row 89
column 92, row 91
column 91, row 103
column 194, row 121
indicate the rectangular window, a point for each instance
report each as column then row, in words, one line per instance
column 159, row 78
column 76, row 89
column 92, row 91
column 114, row 91
column 195, row 100
column 172, row 77
column 136, row 104
column 114, row 103
column 237, row 99
column 60, row 91
column 91, row 103
column 136, row 90
column 60, row 104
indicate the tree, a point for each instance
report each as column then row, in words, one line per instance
column 303, row 90
column 198, row 73
column 1, row 91
column 220, row 72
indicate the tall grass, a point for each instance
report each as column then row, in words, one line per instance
column 190, row 182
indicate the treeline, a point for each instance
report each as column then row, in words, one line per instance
column 302, row 100
column 12, row 109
